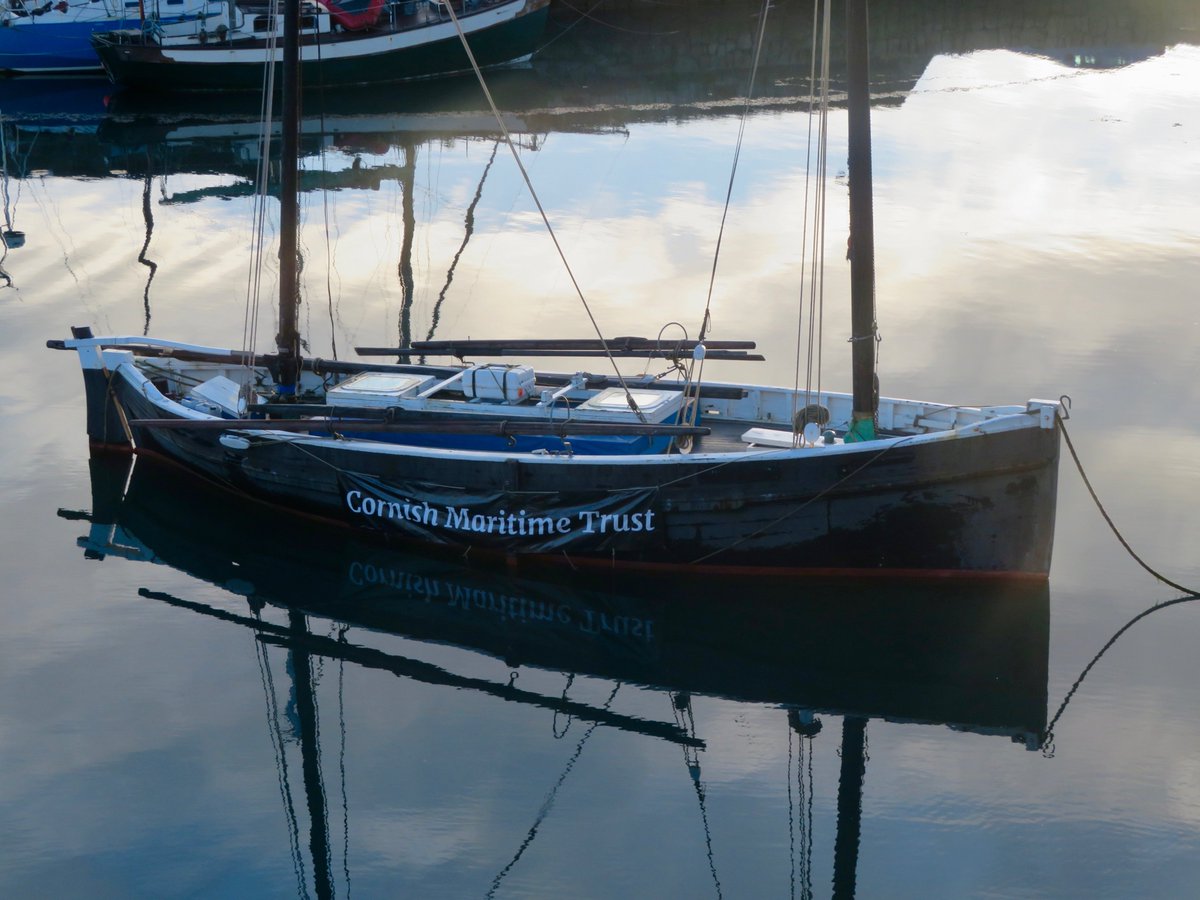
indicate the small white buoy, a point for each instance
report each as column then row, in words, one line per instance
column 812, row 432
column 234, row 442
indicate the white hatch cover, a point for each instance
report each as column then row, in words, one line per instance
column 377, row 389
column 656, row 406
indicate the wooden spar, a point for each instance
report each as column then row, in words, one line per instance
column 618, row 343
column 350, row 367
column 640, row 353
column 458, row 425
column 862, row 224
column 288, row 339
column 305, row 707
column 492, row 347
column 549, row 379
column 427, row 673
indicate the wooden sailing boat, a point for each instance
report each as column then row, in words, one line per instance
column 574, row 469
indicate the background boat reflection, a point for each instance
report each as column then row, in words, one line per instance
column 593, row 72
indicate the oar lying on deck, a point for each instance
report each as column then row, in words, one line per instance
column 643, row 353
column 344, row 367
column 501, row 427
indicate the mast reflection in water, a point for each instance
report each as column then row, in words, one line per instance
column 971, row 658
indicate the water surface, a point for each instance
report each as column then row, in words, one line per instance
column 198, row 701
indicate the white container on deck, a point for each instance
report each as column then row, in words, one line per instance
column 504, row 384
column 377, row 390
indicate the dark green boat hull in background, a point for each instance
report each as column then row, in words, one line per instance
column 131, row 61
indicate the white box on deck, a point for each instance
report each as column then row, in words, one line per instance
column 506, row 384
column 218, row 396
column 656, row 406
column 377, row 390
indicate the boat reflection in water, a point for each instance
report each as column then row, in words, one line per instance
column 973, row 658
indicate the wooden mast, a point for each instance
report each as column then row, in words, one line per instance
column 288, row 342
column 849, row 807
column 288, row 339
column 310, row 754
column 862, row 225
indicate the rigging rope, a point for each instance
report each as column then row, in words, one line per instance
column 811, row 500
column 559, row 735
column 791, row 821
column 681, row 706
column 816, row 294
column 449, row 7
column 259, row 212
column 325, row 192
column 800, row 811
column 737, row 152
column 341, row 639
column 9, row 213
column 692, row 412
column 548, row 802
column 281, row 769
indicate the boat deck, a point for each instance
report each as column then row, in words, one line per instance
column 725, row 437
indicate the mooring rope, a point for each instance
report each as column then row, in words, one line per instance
column 1048, row 743
column 811, row 500
column 1190, row 594
column 1107, row 518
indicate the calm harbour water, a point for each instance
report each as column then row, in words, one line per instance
column 196, row 700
